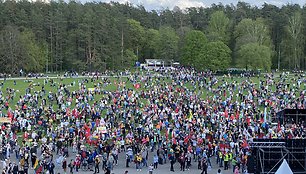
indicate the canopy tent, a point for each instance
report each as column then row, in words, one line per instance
column 284, row 168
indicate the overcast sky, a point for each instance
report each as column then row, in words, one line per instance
column 159, row 4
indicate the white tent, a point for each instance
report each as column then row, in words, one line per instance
column 284, row 168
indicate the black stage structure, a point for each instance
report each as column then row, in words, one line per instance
column 268, row 154
column 290, row 116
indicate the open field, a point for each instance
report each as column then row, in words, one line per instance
column 21, row 85
column 106, row 84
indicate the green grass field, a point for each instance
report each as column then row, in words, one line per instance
column 36, row 85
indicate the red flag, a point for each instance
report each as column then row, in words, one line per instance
column 248, row 120
column 87, row 131
column 226, row 113
column 237, row 115
column 174, row 141
column 245, row 144
column 186, row 139
column 232, row 117
column 137, row 85
column 9, row 115
column 74, row 112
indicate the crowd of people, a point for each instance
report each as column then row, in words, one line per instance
column 176, row 116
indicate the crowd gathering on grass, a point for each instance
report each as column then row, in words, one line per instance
column 171, row 116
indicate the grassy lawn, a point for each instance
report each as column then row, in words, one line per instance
column 36, row 85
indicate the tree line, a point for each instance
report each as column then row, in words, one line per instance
column 60, row 36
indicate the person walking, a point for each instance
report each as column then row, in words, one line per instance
column 97, row 162
column 71, row 166
column 107, row 170
column 172, row 161
column 220, row 158
column 204, row 166
column 155, row 161
column 151, row 168
column 110, row 162
column 64, row 165
column 138, row 160
column 182, row 161
column 51, row 167
column 25, row 168
column 188, row 159
column 226, row 159
column 234, row 164
column 15, row 168
column 236, row 170
column 200, row 158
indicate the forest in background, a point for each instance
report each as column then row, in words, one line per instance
column 96, row 36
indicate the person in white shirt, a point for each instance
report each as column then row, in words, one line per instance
column 4, row 163
column 151, row 168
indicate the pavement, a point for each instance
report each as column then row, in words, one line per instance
column 120, row 168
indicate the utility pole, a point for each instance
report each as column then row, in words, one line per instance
column 122, row 46
column 51, row 48
column 47, row 59
column 279, row 55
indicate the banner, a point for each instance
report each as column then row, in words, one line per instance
column 102, row 129
column 5, row 120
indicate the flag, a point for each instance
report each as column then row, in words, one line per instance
column 248, row 120
column 232, row 117
column 137, row 85
column 245, row 144
column 174, row 141
column 265, row 115
column 278, row 126
column 87, row 132
column 186, row 139
column 94, row 138
column 75, row 113
column 226, row 113
column 37, row 167
column 237, row 115
column 38, row 170
column 190, row 115
column 36, row 163
column 10, row 115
